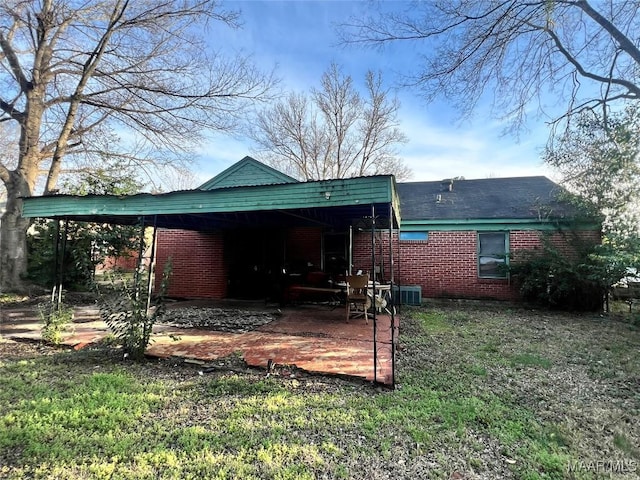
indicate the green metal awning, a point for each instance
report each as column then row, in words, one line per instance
column 332, row 203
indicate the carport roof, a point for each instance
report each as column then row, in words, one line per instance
column 332, row 203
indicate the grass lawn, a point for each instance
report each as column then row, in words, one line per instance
column 484, row 392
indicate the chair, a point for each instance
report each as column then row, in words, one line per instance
column 357, row 296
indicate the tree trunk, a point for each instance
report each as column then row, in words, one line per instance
column 13, row 238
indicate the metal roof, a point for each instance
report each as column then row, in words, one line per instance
column 247, row 171
column 332, row 203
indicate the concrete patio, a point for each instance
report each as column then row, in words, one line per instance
column 314, row 338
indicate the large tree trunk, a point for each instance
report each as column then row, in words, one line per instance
column 13, row 238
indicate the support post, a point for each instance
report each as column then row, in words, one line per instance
column 56, row 264
column 61, row 271
column 373, row 270
column 139, row 266
column 393, row 307
column 350, row 250
column 152, row 263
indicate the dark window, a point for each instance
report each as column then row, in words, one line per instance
column 492, row 255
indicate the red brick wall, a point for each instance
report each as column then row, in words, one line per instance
column 362, row 253
column 198, row 267
column 125, row 263
column 304, row 243
column 446, row 264
column 198, row 264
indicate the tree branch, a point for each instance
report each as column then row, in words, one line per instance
column 625, row 43
column 631, row 87
column 14, row 64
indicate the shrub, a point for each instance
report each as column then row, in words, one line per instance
column 56, row 317
column 130, row 314
column 551, row 277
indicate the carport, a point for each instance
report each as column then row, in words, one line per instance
column 369, row 204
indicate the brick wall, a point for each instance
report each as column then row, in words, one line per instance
column 123, row 263
column 446, row 264
column 198, row 266
column 199, row 269
column 362, row 253
column 304, row 244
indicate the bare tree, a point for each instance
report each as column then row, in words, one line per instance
column 333, row 132
column 74, row 73
column 516, row 52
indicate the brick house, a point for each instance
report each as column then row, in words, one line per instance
column 252, row 231
column 453, row 239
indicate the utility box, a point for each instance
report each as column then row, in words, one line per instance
column 407, row 295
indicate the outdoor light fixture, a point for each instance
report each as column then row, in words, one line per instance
column 327, row 195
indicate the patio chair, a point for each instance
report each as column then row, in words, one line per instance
column 358, row 300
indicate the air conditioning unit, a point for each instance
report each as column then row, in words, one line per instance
column 407, row 295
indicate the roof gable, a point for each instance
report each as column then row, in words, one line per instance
column 527, row 198
column 247, row 172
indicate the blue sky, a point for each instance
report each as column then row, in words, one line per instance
column 299, row 40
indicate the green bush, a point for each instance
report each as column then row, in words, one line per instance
column 87, row 245
column 557, row 280
column 56, row 317
column 124, row 309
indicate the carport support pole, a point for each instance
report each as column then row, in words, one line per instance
column 136, row 279
column 350, row 250
column 56, row 263
column 393, row 307
column 61, row 270
column 152, row 263
column 373, row 270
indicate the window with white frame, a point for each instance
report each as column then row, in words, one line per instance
column 493, row 249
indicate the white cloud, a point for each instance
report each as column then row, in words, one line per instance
column 437, row 151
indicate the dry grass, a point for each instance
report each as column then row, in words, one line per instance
column 484, row 392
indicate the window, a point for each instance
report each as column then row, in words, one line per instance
column 493, row 250
column 414, row 236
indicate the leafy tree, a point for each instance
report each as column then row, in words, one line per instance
column 333, row 132
column 552, row 278
column 599, row 159
column 76, row 73
column 87, row 244
column 516, row 53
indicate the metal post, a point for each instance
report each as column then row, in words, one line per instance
column 136, row 278
column 64, row 254
column 56, row 262
column 152, row 263
column 350, row 249
column 393, row 307
column 373, row 269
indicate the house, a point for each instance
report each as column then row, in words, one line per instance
column 453, row 240
column 252, row 231
column 456, row 236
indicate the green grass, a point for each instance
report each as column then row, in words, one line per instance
column 529, row 360
column 471, row 399
column 11, row 298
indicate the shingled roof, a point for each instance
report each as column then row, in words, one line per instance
column 490, row 198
